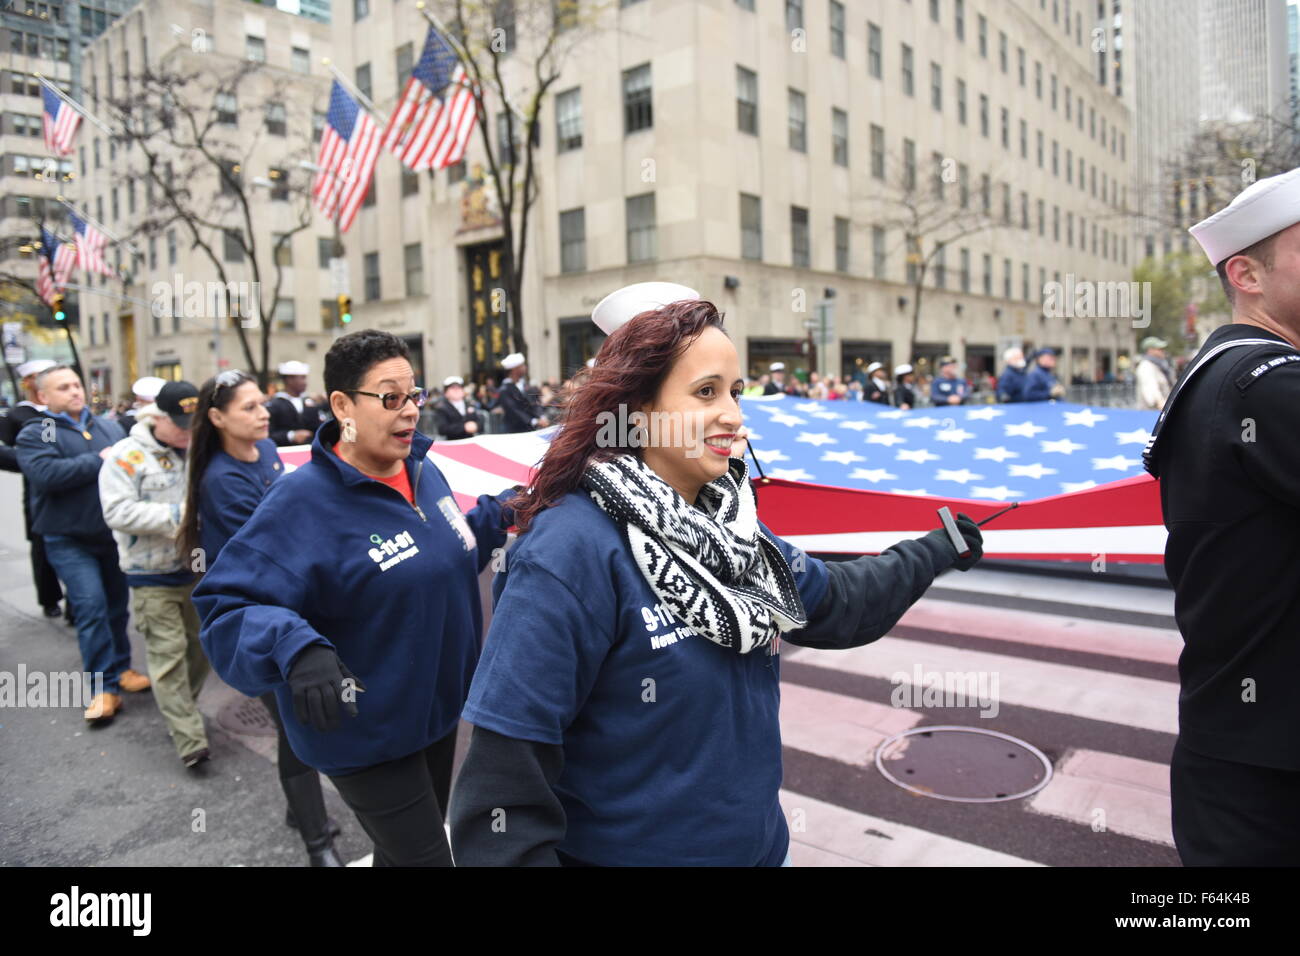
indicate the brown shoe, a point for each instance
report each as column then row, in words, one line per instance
column 103, row 707
column 133, row 681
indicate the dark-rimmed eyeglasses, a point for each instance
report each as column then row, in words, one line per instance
column 393, row 401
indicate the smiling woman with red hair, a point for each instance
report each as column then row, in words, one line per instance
column 625, row 706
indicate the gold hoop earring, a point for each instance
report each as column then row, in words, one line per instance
column 349, row 430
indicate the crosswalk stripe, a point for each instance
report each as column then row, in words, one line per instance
column 1075, row 691
column 823, row 834
column 842, row 728
column 1157, row 645
column 1110, row 792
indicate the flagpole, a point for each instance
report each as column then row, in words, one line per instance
column 74, row 104
column 460, row 50
column 343, row 81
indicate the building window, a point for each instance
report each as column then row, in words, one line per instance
column 568, row 120
column 984, row 115
column 961, row 102
column 283, row 251
column 964, row 259
column 983, row 33
column 285, row 315
column 798, row 122
column 1006, row 128
column 938, row 160
column 793, row 15
column 986, row 194
column 940, row 267
column 227, row 109
column 1024, row 140
column 360, row 9
column 231, row 176
column 233, row 249
column 963, row 185
column 405, row 63
column 913, row 258
column 746, row 100
column 324, row 252
column 959, row 18
column 171, row 247
column 153, row 252
column 877, row 152
column 1020, row 67
column 837, row 29
column 1002, row 51
column 504, row 19
column 410, row 182
column 1038, row 79
column 255, row 49
column 800, row 253
column 908, row 83
column 875, row 65
column 936, row 86
column 638, row 112
column 909, row 165
column 505, row 141
column 317, row 126
column 275, row 119
column 371, row 268
column 934, row 10
column 363, row 80
column 751, row 227
column 573, row 240
column 641, row 245
column 841, row 244
column 300, row 60
column 413, row 260
column 839, row 137
column 878, row 253
column 1024, row 210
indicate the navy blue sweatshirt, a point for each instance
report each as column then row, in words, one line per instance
column 335, row 558
column 231, row 491
column 63, row 474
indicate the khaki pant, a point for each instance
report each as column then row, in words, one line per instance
column 177, row 665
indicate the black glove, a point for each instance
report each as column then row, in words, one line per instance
column 974, row 540
column 316, row 678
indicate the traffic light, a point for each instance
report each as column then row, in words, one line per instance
column 57, row 307
column 345, row 309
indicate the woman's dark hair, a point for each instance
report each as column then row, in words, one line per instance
column 205, row 440
column 630, row 368
column 353, row 355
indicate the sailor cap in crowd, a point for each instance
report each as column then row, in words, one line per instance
column 452, row 380
column 902, row 369
column 34, row 367
column 148, row 387
column 873, row 366
column 1258, row 211
column 512, row 361
column 294, row 368
column 776, row 367
column 624, row 304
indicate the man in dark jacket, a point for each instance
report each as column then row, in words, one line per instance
column 1011, row 384
column 294, row 416
column 457, row 417
column 1041, row 383
column 520, row 412
column 48, row 590
column 61, row 453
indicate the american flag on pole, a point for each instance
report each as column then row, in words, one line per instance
column 90, row 246
column 434, row 119
column 56, row 262
column 349, row 148
column 59, row 120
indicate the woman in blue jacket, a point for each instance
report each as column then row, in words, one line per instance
column 352, row 593
column 625, row 709
column 232, row 463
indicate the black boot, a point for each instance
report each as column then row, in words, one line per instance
column 307, row 803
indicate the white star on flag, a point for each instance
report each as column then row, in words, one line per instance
column 1068, row 486
column 918, row 455
column 791, row 474
column 893, row 413
column 960, row 475
column 827, row 415
column 1064, row 446
column 1001, row 493
column 998, row 454
column 1118, row 462
column 888, row 439
column 953, row 435
column 781, row 418
column 766, row 455
column 808, row 407
column 817, row 438
column 1024, row 429
column 909, row 491
column 1086, row 417
column 872, row 474
column 1028, row 471
column 843, row 457
column 987, row 414
column 922, row 421
column 857, row 426
column 1139, row 436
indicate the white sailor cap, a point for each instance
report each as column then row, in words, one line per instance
column 776, row 367
column 624, row 304
column 1258, row 211
column 452, row 380
column 34, row 367
column 873, row 366
column 512, row 361
column 294, row 368
column 148, row 387
column 902, row 369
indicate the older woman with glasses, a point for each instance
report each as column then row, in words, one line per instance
column 352, row 593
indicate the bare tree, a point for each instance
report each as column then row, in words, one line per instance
column 184, row 127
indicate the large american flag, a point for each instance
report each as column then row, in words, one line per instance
column 349, row 148
column 56, row 262
column 434, row 119
column 90, row 246
column 59, row 121
column 855, row 478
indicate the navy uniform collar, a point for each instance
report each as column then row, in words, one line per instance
column 322, row 452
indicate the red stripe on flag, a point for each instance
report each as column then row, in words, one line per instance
column 476, row 456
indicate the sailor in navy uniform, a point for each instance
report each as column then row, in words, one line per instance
column 948, row 388
column 294, row 416
column 520, row 412
column 1226, row 452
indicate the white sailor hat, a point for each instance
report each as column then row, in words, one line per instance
column 591, row 362
column 622, row 305
column 1258, row 211
column 452, row 380
column 512, row 361
column 873, row 366
column 902, row 369
column 34, row 367
column 776, row 367
column 294, row 368
column 148, row 387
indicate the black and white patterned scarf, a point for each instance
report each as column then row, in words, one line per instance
column 709, row 563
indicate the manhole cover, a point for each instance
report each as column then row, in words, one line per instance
column 963, row 764
column 247, row 716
